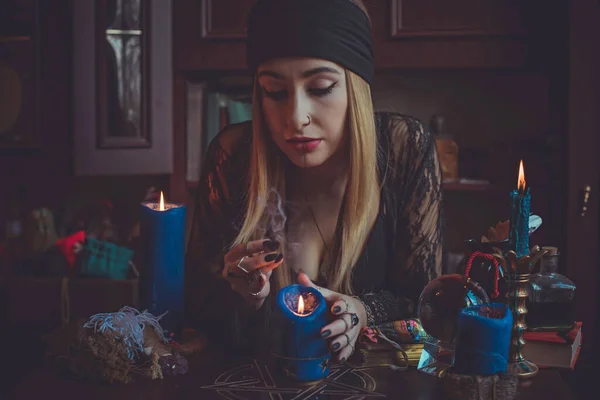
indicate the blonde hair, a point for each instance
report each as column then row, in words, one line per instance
column 362, row 194
column 361, row 198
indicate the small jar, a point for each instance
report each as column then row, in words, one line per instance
column 551, row 295
column 446, row 147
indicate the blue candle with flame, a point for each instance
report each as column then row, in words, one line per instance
column 162, row 231
column 303, row 353
column 520, row 200
column 483, row 339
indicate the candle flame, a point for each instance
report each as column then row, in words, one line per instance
column 161, row 205
column 521, row 182
column 300, row 305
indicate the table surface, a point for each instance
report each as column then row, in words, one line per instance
column 213, row 376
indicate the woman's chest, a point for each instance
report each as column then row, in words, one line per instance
column 310, row 237
column 310, row 234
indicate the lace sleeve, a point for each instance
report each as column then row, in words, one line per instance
column 210, row 302
column 419, row 242
column 414, row 196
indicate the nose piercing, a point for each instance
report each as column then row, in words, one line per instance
column 308, row 123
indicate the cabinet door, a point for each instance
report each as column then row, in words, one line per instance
column 224, row 19
column 439, row 18
column 583, row 145
column 210, row 34
column 449, row 34
column 122, row 86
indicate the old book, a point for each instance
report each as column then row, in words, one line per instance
column 559, row 349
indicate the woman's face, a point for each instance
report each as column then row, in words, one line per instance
column 304, row 102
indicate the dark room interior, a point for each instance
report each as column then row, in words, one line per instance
column 107, row 104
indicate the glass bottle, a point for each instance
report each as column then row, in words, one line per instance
column 551, row 295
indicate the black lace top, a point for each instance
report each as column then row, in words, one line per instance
column 403, row 253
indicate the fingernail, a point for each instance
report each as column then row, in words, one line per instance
column 343, row 360
column 279, row 258
column 336, row 346
column 271, row 257
column 325, row 333
column 337, row 309
column 271, row 244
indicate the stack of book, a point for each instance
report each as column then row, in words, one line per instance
column 557, row 347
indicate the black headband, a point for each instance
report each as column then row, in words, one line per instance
column 334, row 30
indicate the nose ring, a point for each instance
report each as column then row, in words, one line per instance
column 308, row 123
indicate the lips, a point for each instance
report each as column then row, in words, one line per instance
column 304, row 144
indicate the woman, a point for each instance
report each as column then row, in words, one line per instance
column 317, row 189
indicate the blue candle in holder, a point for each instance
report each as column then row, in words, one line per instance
column 519, row 216
column 483, row 339
column 162, row 232
column 303, row 354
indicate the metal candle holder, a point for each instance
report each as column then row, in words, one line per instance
column 518, row 271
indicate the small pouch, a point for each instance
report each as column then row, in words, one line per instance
column 104, row 259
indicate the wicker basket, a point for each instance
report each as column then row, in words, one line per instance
column 478, row 387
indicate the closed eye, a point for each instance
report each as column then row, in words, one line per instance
column 322, row 91
column 277, row 95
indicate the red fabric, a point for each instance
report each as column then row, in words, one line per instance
column 67, row 246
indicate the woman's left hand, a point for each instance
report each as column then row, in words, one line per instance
column 346, row 328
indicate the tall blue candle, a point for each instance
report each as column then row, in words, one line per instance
column 520, row 200
column 162, row 231
column 304, row 354
column 483, row 339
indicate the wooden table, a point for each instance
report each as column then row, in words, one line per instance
column 213, row 376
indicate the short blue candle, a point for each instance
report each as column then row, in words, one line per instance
column 520, row 207
column 162, row 256
column 304, row 353
column 483, row 339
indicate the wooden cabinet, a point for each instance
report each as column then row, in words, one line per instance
column 210, row 34
column 122, row 88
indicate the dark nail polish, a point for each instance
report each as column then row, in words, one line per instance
column 336, row 346
column 337, row 309
column 325, row 333
column 271, row 257
column 279, row 258
column 343, row 360
column 271, row 245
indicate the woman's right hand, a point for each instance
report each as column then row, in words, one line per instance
column 248, row 268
